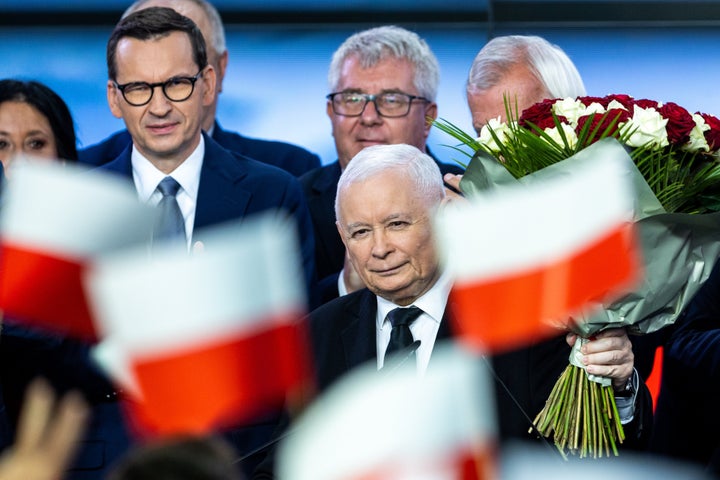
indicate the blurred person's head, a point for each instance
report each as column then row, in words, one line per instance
column 525, row 69
column 185, row 458
column 34, row 121
column 386, row 198
column 208, row 20
column 159, row 83
column 383, row 85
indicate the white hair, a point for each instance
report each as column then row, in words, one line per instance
column 547, row 62
column 376, row 44
column 377, row 159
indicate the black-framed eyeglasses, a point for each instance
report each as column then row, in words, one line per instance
column 388, row 104
column 177, row 89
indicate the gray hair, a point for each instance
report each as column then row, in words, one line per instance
column 547, row 62
column 376, row 44
column 216, row 23
column 375, row 160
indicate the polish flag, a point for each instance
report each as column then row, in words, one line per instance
column 55, row 219
column 399, row 426
column 208, row 340
column 533, row 255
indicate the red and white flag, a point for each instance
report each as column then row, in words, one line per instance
column 399, row 426
column 533, row 255
column 209, row 340
column 55, row 220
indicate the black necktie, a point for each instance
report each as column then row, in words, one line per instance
column 171, row 223
column 401, row 336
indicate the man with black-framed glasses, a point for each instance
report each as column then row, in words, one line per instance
column 159, row 81
column 383, row 84
column 287, row 156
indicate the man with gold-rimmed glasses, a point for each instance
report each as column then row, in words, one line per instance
column 383, row 83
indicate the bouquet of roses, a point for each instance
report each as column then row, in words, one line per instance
column 672, row 158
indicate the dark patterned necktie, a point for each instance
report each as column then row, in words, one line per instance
column 171, row 223
column 401, row 336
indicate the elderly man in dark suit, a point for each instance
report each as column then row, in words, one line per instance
column 383, row 84
column 386, row 199
column 291, row 158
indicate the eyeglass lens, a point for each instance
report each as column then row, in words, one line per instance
column 387, row 104
column 175, row 89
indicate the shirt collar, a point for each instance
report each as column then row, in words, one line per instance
column 432, row 302
column 147, row 177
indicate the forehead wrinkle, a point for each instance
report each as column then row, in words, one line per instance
column 386, row 219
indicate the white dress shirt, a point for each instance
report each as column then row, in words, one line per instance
column 424, row 328
column 147, row 177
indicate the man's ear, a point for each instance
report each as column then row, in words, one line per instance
column 113, row 98
column 209, row 79
column 430, row 114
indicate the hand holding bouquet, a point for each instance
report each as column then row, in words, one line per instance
column 673, row 161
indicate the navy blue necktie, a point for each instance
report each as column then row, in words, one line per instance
column 171, row 223
column 401, row 336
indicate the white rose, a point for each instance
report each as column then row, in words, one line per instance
column 614, row 104
column 594, row 107
column 647, row 127
column 697, row 140
column 570, row 136
column 501, row 130
column 569, row 108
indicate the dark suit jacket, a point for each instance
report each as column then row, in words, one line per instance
column 26, row 354
column 320, row 187
column 286, row 156
column 687, row 418
column 343, row 336
column 343, row 333
column 233, row 187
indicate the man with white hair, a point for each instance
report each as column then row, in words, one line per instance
column 386, row 199
column 523, row 69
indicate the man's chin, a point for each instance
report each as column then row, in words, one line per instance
column 370, row 143
column 392, row 292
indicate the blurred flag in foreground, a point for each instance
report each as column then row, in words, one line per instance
column 208, row 340
column 399, row 426
column 535, row 254
column 55, row 220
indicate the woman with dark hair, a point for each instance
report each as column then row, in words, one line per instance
column 34, row 121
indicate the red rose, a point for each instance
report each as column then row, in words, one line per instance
column 539, row 114
column 645, row 103
column 600, row 123
column 680, row 123
column 588, row 100
column 625, row 100
column 712, row 136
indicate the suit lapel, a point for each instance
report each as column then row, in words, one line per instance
column 121, row 165
column 322, row 207
column 221, row 197
column 358, row 338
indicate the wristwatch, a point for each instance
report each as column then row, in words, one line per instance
column 628, row 390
